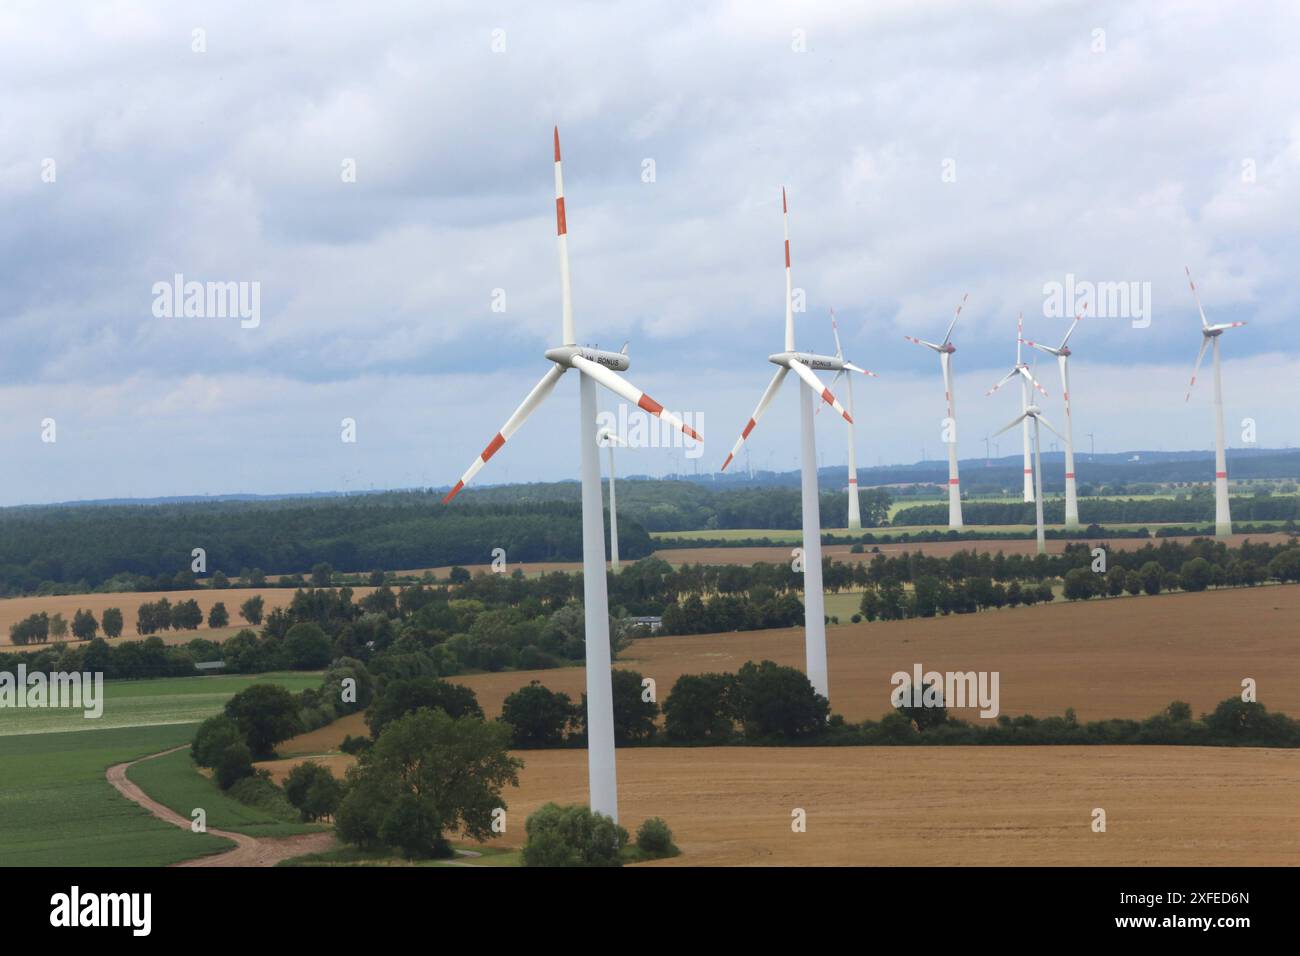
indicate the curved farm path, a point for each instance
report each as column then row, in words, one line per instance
column 248, row 851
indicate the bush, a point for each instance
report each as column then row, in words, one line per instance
column 572, row 836
column 655, row 839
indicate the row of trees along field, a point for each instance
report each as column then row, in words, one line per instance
column 494, row 622
column 151, row 617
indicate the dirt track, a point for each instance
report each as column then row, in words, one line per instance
column 249, row 851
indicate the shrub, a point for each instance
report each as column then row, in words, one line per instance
column 234, row 764
column 655, row 839
column 572, row 836
column 212, row 738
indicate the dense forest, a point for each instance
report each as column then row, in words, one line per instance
column 1197, row 507
column 91, row 543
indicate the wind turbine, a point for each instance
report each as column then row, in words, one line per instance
column 1026, row 379
column 608, row 438
column 1210, row 334
column 1033, row 412
column 1063, row 353
column 595, row 367
column 855, row 517
column 945, row 361
column 802, row 364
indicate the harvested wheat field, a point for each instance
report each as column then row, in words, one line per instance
column 13, row 610
column 1120, row 657
column 896, row 806
column 778, row 554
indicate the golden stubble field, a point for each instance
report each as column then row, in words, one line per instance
column 13, row 610
column 950, row 806
column 1126, row 657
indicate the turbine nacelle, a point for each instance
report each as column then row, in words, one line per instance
column 826, row 363
column 563, row 356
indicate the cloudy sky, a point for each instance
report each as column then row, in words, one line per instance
column 383, row 172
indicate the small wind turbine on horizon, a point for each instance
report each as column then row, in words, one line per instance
column 1210, row 334
column 596, row 367
column 945, row 351
column 1034, row 413
column 855, row 515
column 1063, row 353
column 802, row 364
column 608, row 438
column 1026, row 379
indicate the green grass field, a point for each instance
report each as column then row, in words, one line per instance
column 57, row 808
column 174, row 781
column 147, row 703
column 353, row 856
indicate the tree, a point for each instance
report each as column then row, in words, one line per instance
column 306, row 647
column 428, row 773
column 458, row 575
column 112, row 621
column 251, row 610
column 84, row 625
column 572, row 836
column 219, row 581
column 186, row 615
column 401, row 697
column 58, row 626
column 1080, row 584
column 774, row 701
column 698, row 708
column 313, row 790
column 537, row 716
column 1195, row 575
column 1152, row 575
column 1115, row 579
column 321, row 575
column 265, row 714
column 233, row 765
column 1133, row 583
column 655, row 839
column 634, row 715
column 218, row 616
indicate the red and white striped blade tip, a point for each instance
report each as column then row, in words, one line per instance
column 557, row 144
column 454, row 492
column 727, row 462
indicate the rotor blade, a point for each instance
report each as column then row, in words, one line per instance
column 1225, row 325
column 812, row 381
column 562, row 236
column 854, row 368
column 763, row 402
column 1020, row 335
column 929, row 345
column 835, row 330
column 838, row 375
column 1033, row 381
column 1014, row 422
column 1041, row 347
column 956, row 315
column 1077, row 319
column 1197, row 296
column 607, row 437
column 626, row 390
column 1005, row 378
column 1205, row 341
column 1048, row 425
column 526, row 408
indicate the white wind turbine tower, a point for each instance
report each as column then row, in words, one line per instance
column 607, row 438
column 945, row 351
column 855, row 516
column 1026, row 379
column 596, row 367
column 1063, row 353
column 803, row 363
column 1210, row 334
column 1035, row 413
